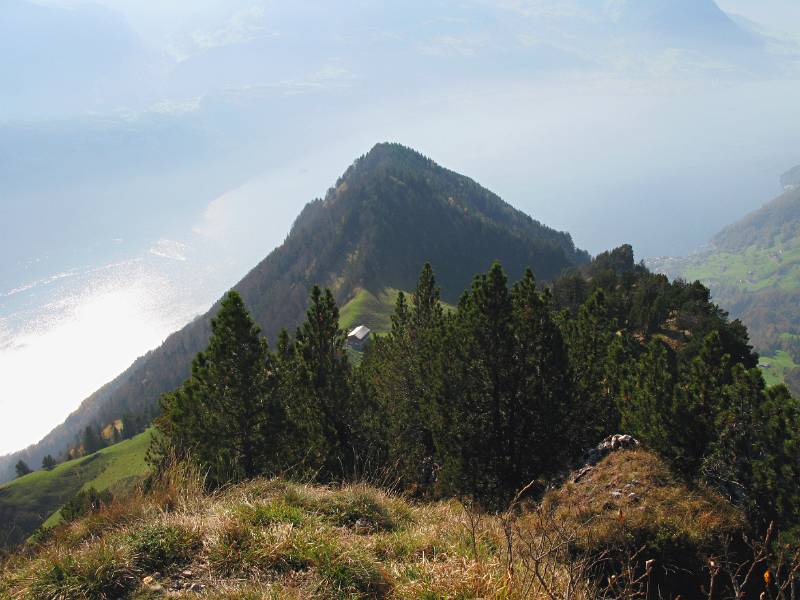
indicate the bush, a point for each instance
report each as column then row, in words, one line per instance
column 85, row 502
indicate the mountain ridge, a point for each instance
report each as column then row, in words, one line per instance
column 390, row 212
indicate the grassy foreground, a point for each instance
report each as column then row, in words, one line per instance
column 35, row 499
column 270, row 538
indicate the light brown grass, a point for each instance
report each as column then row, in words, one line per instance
column 278, row 539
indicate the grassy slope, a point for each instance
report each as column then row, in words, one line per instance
column 29, row 501
column 752, row 269
column 371, row 309
column 779, row 364
column 374, row 309
column 277, row 539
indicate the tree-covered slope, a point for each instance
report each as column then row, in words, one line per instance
column 753, row 270
column 28, row 502
column 390, row 212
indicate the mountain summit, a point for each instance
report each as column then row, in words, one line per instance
column 390, row 212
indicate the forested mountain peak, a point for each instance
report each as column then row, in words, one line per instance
column 389, row 213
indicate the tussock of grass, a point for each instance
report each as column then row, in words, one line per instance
column 277, row 539
column 163, row 546
column 271, row 513
column 102, row 571
column 366, row 510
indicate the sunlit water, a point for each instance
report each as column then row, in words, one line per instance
column 80, row 330
column 65, row 334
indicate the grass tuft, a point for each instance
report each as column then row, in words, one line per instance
column 160, row 546
column 99, row 572
column 271, row 513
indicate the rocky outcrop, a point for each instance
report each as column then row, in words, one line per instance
column 593, row 456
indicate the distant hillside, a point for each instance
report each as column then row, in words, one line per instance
column 36, row 498
column 753, row 270
column 392, row 210
column 791, row 179
column 684, row 19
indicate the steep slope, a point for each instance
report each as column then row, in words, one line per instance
column 753, row 270
column 390, row 212
column 791, row 179
column 28, row 502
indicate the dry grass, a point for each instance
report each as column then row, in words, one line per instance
column 632, row 497
column 276, row 539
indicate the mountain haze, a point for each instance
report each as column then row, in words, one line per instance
column 392, row 210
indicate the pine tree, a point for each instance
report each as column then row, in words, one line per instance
column 756, row 458
column 648, row 411
column 698, row 402
column 479, row 390
column 541, row 405
column 407, row 365
column 22, row 468
column 323, row 410
column 49, row 463
column 227, row 415
column 589, row 338
column 92, row 442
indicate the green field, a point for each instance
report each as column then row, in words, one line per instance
column 33, row 500
column 753, row 269
column 371, row 309
column 779, row 364
column 374, row 309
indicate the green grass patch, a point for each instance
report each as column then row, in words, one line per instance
column 346, row 571
column 779, row 364
column 752, row 269
column 34, row 500
column 161, row 547
column 364, row 510
column 271, row 513
column 100, row 572
column 373, row 309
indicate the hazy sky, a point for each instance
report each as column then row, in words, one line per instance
column 152, row 152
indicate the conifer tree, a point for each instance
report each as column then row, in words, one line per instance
column 589, row 338
column 227, row 415
column 698, row 402
column 756, row 458
column 91, row 440
column 486, row 369
column 410, row 360
column 540, row 408
column 323, row 409
column 48, row 462
column 22, row 468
